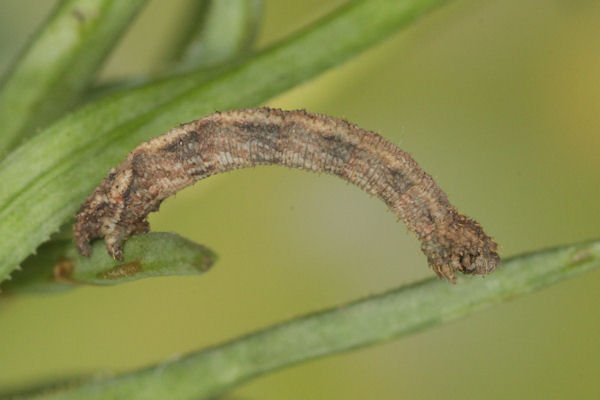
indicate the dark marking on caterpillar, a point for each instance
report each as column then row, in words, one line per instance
column 236, row 139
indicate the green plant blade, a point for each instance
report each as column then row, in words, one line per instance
column 215, row 36
column 375, row 319
column 45, row 180
column 227, row 31
column 59, row 267
column 59, row 64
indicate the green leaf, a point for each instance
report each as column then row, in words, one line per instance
column 45, row 180
column 59, row 64
column 375, row 319
column 227, row 30
column 59, row 267
column 215, row 35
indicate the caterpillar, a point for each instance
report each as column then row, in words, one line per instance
column 236, row 139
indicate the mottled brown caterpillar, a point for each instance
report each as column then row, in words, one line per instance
column 236, row 139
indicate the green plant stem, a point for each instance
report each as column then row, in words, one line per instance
column 45, row 180
column 58, row 266
column 375, row 319
column 59, row 64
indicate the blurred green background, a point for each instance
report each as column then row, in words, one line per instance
column 499, row 100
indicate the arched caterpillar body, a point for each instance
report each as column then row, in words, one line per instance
column 229, row 140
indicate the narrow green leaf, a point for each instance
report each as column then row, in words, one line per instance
column 227, row 30
column 58, row 266
column 215, row 36
column 376, row 319
column 189, row 27
column 59, row 64
column 44, row 181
